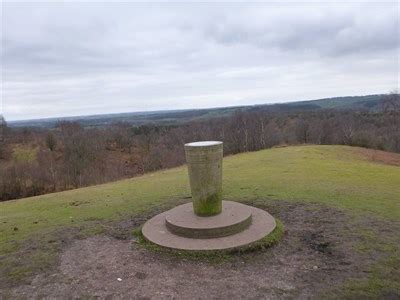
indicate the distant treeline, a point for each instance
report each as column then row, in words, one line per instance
column 177, row 117
column 39, row 161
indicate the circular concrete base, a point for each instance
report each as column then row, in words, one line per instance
column 234, row 217
column 262, row 223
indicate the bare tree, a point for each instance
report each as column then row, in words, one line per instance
column 3, row 126
column 51, row 141
column 302, row 131
column 348, row 130
column 391, row 102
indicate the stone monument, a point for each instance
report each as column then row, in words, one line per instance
column 208, row 222
column 204, row 160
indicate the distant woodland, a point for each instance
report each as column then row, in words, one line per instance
column 35, row 161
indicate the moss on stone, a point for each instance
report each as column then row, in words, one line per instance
column 208, row 207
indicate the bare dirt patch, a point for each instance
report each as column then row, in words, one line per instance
column 379, row 156
column 316, row 255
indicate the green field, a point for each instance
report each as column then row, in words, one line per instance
column 332, row 175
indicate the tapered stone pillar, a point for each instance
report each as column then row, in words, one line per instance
column 204, row 160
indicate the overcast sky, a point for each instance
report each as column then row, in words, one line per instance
column 92, row 58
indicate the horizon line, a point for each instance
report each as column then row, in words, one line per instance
column 176, row 110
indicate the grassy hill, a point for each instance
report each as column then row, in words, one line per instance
column 338, row 177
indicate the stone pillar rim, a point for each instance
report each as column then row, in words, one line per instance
column 203, row 144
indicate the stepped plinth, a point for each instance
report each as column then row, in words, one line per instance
column 208, row 223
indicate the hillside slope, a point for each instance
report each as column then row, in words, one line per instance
column 340, row 177
column 369, row 102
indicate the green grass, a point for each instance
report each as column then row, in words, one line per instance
column 331, row 175
column 381, row 277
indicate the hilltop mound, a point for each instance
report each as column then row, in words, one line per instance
column 340, row 208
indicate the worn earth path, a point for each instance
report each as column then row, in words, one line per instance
column 315, row 256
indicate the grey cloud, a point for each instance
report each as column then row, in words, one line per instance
column 79, row 58
column 352, row 29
